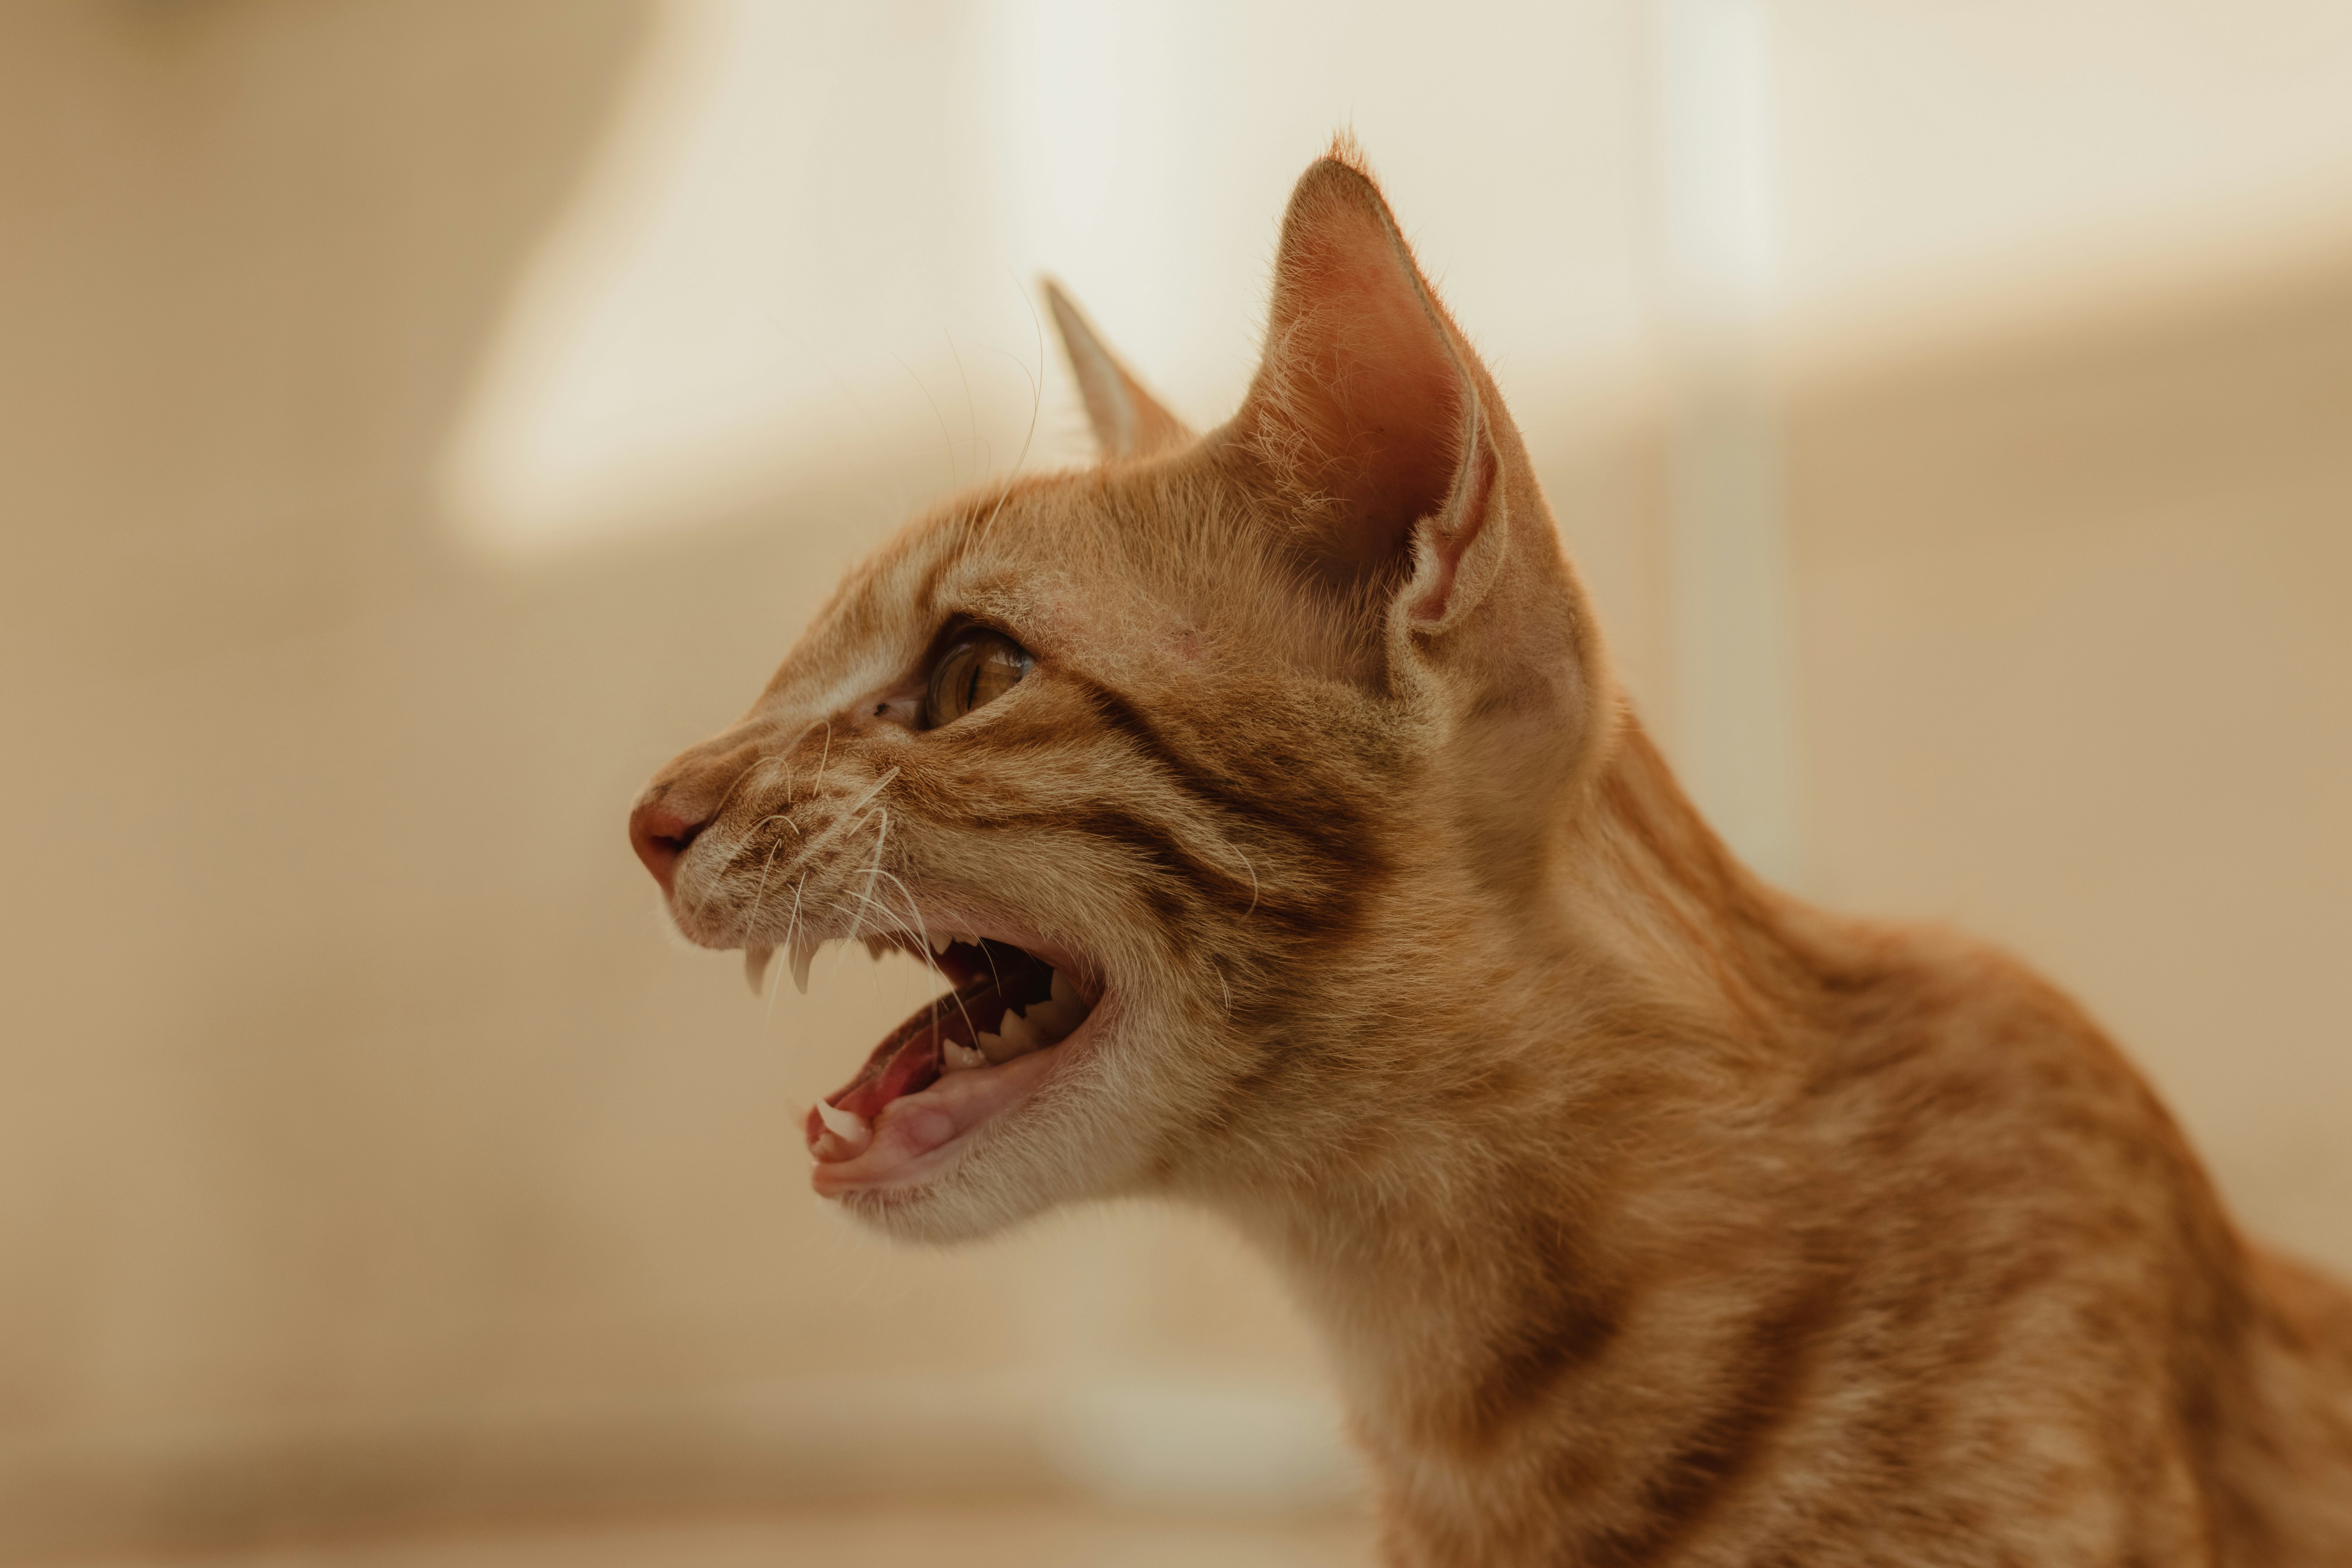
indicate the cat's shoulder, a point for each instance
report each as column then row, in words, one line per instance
column 1940, row 1034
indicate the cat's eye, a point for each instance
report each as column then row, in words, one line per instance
column 977, row 668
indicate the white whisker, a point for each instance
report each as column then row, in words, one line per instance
column 970, row 414
column 1036, row 401
column 954, row 476
column 752, row 920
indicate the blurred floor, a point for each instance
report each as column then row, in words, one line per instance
column 1024, row 1535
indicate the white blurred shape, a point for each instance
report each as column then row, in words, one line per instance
column 1733, row 634
column 1715, row 179
column 799, row 202
column 799, row 205
column 765, row 216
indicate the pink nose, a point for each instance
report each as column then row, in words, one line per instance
column 660, row 836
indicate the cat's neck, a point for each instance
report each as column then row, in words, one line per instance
column 1598, row 1157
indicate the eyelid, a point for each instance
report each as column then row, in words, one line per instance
column 960, row 626
column 967, row 652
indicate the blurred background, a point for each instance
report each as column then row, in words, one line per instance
column 420, row 418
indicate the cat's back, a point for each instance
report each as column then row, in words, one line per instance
column 2292, row 1469
column 2062, row 1329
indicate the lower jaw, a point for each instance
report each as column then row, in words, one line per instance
column 925, row 1092
column 916, row 1136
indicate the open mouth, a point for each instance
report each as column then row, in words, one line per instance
column 963, row 1057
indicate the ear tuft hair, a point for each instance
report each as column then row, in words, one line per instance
column 1346, row 150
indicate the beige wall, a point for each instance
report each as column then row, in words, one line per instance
column 368, row 1151
column 2076, row 604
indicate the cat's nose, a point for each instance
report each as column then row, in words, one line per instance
column 659, row 836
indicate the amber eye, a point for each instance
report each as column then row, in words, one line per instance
column 978, row 667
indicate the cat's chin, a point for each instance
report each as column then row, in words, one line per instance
column 1016, row 1011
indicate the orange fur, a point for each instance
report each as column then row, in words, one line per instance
column 1652, row 1216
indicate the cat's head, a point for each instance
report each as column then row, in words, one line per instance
column 1209, row 778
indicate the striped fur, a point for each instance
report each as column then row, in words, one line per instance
column 1652, row 1216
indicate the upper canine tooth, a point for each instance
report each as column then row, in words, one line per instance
column 940, row 942
column 803, row 954
column 755, row 965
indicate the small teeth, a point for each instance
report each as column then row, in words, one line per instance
column 1059, row 1014
column 939, row 942
column 846, row 1125
column 1019, row 1035
column 1042, row 1024
column 755, row 967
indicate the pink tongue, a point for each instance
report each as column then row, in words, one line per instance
column 907, row 1059
column 912, row 1068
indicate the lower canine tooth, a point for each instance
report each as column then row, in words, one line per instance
column 846, row 1125
column 755, row 966
column 955, row 1057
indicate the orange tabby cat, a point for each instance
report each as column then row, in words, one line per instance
column 1267, row 803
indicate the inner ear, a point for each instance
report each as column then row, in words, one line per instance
column 1362, row 407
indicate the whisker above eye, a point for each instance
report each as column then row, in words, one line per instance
column 1036, row 401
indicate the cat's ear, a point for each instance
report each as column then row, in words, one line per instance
column 1369, row 412
column 1128, row 421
